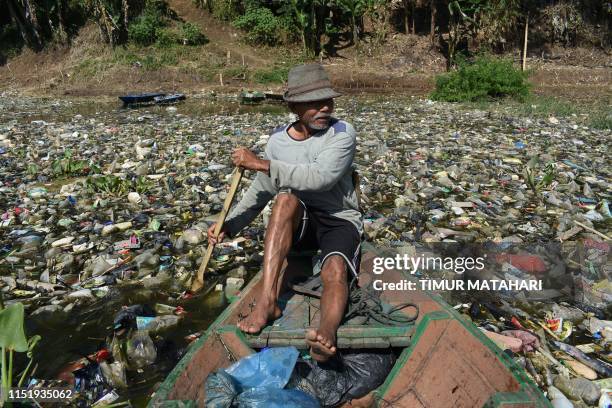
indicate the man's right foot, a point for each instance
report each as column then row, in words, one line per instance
column 259, row 317
column 322, row 344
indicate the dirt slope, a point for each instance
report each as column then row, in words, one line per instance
column 222, row 36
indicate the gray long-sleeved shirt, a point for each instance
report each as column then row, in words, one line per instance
column 318, row 170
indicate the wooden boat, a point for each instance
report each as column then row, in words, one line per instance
column 168, row 99
column 444, row 360
column 274, row 97
column 132, row 99
column 251, row 98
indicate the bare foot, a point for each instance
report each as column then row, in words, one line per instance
column 263, row 313
column 322, row 344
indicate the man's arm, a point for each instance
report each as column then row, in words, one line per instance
column 254, row 200
column 321, row 175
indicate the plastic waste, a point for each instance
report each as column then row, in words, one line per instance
column 221, row 390
column 605, row 401
column 596, row 365
column 126, row 318
column 578, row 389
column 530, row 342
column 557, row 399
column 274, row 398
column 271, row 367
column 160, row 323
column 257, row 381
column 352, row 375
column 140, row 350
column 114, row 374
column 505, row 342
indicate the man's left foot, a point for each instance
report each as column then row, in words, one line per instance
column 322, row 344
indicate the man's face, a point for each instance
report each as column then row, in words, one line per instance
column 316, row 115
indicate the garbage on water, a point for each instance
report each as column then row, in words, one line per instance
column 104, row 207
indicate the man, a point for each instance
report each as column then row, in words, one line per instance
column 308, row 168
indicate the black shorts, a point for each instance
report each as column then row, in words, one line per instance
column 332, row 235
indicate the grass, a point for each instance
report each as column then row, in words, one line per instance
column 192, row 60
column 276, row 75
column 149, row 58
column 601, row 119
column 540, row 106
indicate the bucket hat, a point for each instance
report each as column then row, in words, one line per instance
column 308, row 83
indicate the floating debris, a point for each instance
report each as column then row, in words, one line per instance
column 127, row 205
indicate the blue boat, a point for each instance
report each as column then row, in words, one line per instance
column 174, row 98
column 140, row 98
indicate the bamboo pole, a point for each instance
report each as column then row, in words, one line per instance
column 198, row 283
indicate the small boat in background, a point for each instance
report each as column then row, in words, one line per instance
column 140, row 98
column 256, row 97
column 273, row 97
column 251, row 98
column 166, row 99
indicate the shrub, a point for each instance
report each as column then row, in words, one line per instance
column 166, row 38
column 192, row 35
column 484, row 78
column 144, row 30
column 226, row 10
column 261, row 25
column 147, row 27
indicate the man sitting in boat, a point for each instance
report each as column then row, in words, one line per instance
column 307, row 168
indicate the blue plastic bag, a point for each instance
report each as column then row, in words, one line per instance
column 257, row 381
column 221, row 390
column 275, row 398
column 271, row 367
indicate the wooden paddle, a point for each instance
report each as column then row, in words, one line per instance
column 198, row 283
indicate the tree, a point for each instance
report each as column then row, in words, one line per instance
column 23, row 13
column 355, row 10
column 113, row 17
column 479, row 21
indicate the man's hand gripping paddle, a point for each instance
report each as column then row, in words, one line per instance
column 198, row 282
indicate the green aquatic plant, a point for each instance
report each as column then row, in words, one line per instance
column 67, row 166
column 108, row 184
column 114, row 185
column 538, row 175
column 13, row 339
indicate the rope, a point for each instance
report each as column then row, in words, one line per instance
column 366, row 302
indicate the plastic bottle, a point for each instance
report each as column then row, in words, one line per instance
column 557, row 399
column 140, row 350
column 605, row 401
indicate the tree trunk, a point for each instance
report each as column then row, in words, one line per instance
column 61, row 22
column 304, row 42
column 34, row 26
column 412, row 17
column 354, row 26
column 126, row 14
column 524, row 62
column 406, row 16
column 25, row 29
column 319, row 25
column 432, row 28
